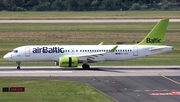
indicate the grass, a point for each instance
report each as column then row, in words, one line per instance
column 14, row 35
column 49, row 90
column 89, row 15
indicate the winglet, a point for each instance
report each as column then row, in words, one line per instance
column 113, row 49
column 156, row 35
column 101, row 43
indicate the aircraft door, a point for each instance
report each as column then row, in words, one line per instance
column 135, row 51
column 27, row 52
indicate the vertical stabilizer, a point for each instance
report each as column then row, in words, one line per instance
column 156, row 35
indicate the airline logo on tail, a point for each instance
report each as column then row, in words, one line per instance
column 156, row 35
column 154, row 40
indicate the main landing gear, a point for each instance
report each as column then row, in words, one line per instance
column 18, row 63
column 85, row 65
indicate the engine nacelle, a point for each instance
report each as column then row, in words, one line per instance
column 68, row 62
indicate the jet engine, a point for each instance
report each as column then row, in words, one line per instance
column 68, row 62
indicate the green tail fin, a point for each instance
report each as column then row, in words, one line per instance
column 156, row 35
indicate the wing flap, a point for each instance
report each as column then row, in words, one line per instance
column 86, row 56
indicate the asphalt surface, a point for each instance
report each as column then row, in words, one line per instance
column 134, row 88
column 86, row 21
column 122, row 83
column 46, row 71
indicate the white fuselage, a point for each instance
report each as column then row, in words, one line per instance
column 54, row 52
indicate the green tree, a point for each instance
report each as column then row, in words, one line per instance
column 43, row 5
column 83, row 5
column 144, row 7
column 12, row 4
column 1, row 5
column 126, row 4
column 58, row 5
column 118, row 5
column 135, row 6
column 164, row 7
column 71, row 5
column 95, row 5
column 29, row 4
column 106, row 5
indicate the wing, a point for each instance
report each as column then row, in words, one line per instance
column 96, row 56
column 92, row 56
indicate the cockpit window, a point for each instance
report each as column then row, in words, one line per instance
column 14, row 51
column 11, row 51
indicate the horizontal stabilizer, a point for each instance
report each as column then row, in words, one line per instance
column 155, row 49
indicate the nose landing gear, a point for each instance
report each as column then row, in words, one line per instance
column 18, row 63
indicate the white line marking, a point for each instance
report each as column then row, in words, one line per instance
column 85, row 21
column 24, row 72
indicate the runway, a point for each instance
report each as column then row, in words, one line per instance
column 86, row 21
column 122, row 83
column 46, row 71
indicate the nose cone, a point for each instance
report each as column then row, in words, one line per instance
column 172, row 47
column 7, row 57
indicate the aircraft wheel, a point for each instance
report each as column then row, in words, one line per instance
column 18, row 67
column 18, row 63
column 85, row 66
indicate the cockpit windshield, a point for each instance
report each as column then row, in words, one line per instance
column 14, row 51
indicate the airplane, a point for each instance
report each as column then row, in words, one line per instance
column 72, row 55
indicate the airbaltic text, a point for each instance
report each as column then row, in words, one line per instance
column 48, row 50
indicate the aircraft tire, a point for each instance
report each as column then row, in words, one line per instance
column 85, row 66
column 18, row 67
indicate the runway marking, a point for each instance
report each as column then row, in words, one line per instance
column 35, row 72
column 165, row 90
column 175, row 93
column 170, row 79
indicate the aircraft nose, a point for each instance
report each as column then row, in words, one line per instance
column 7, row 57
column 172, row 47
